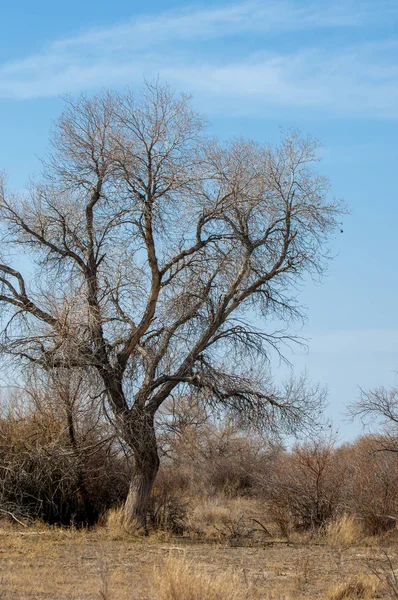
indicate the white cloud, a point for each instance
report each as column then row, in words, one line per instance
column 356, row 80
column 360, row 80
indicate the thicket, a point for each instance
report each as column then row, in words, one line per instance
column 60, row 462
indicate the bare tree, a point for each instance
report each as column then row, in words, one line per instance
column 160, row 256
column 379, row 406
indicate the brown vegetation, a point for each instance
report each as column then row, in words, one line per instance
column 233, row 532
column 41, row 563
column 60, row 466
column 147, row 392
column 216, row 480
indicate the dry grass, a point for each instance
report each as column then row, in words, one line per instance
column 114, row 526
column 385, row 569
column 178, row 579
column 46, row 563
column 361, row 587
column 343, row 532
column 221, row 518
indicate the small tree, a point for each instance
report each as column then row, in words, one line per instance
column 308, row 483
column 160, row 255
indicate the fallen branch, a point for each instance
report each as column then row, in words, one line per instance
column 263, row 527
column 7, row 512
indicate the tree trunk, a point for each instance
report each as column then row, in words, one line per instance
column 136, row 505
column 86, row 512
column 142, row 440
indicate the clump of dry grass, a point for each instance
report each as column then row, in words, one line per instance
column 343, row 532
column 115, row 526
column 179, row 580
column 361, row 587
column 221, row 517
column 114, row 523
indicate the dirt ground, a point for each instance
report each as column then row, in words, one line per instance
column 67, row 564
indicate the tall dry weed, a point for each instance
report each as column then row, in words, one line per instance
column 385, row 569
column 343, row 532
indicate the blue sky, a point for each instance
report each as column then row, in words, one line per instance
column 327, row 68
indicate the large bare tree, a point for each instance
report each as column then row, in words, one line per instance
column 160, row 259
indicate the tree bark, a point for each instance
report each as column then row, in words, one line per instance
column 142, row 440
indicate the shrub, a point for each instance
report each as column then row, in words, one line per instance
column 306, row 486
column 43, row 476
column 372, row 489
column 167, row 510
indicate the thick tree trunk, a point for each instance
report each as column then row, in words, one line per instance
column 142, row 440
column 136, row 505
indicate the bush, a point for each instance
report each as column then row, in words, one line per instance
column 372, row 488
column 305, row 487
column 44, row 476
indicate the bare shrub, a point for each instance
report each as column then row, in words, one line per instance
column 212, row 457
column 46, row 475
column 306, row 486
column 280, row 514
column 317, row 483
column 372, row 489
column 167, row 510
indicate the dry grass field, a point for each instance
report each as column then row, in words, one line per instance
column 39, row 562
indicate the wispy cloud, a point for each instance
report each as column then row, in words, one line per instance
column 361, row 79
column 255, row 16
